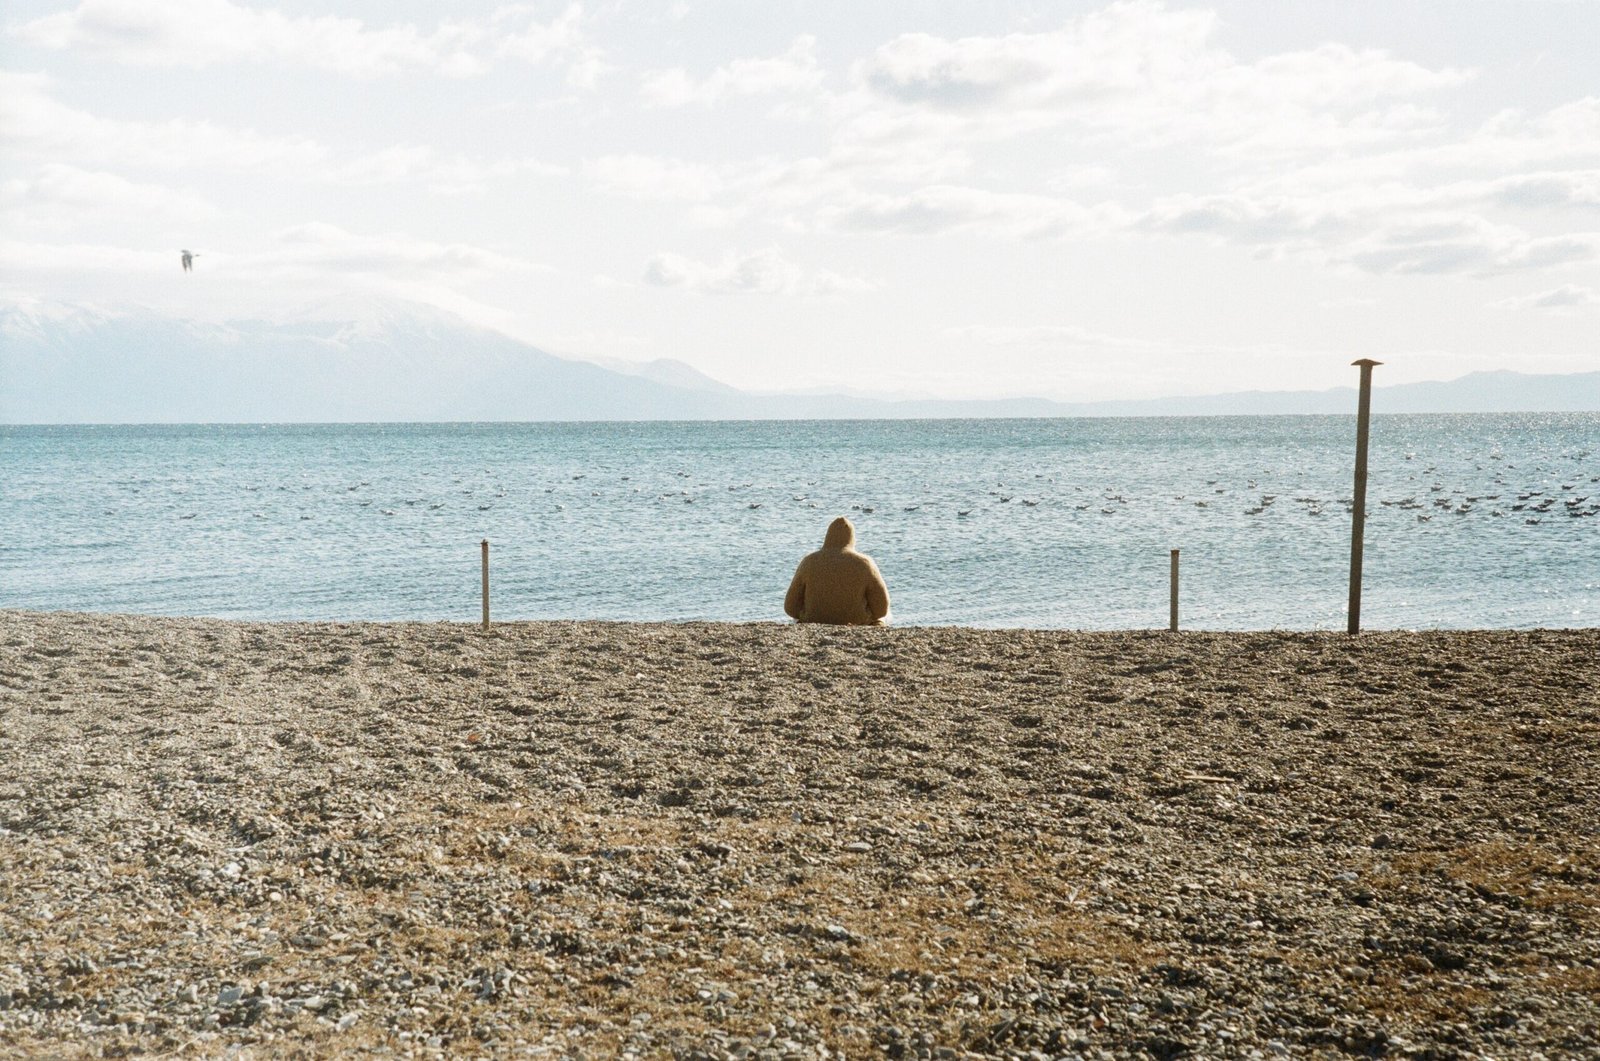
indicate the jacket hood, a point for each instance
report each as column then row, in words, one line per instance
column 841, row 535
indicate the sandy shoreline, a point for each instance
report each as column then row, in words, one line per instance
column 586, row 839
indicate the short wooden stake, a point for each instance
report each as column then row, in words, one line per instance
column 1358, row 515
column 486, row 583
column 1172, row 623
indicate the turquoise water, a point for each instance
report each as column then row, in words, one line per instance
column 1047, row 523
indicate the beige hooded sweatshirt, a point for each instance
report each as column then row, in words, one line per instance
column 838, row 585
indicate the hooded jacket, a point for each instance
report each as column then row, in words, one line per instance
column 838, row 585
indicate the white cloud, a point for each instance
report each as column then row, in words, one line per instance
column 1509, row 144
column 537, row 42
column 901, row 159
column 1576, row 124
column 1390, row 229
column 58, row 194
column 1565, row 297
column 829, row 192
column 422, row 165
column 204, row 33
column 652, row 178
column 24, row 258
column 561, row 40
column 1546, row 190
column 1242, row 218
column 320, row 246
column 1149, row 74
column 199, row 33
column 765, row 272
column 315, row 249
column 949, row 208
column 795, row 72
column 1463, row 244
column 1331, row 75
column 1531, row 191
column 1123, row 50
column 36, row 125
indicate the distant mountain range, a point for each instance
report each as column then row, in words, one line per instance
column 388, row 361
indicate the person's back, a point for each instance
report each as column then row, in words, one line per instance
column 838, row 585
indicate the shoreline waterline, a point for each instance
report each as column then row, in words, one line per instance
column 514, row 622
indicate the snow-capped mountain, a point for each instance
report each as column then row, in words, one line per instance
column 383, row 360
column 375, row 361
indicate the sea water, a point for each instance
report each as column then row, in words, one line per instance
column 1473, row 521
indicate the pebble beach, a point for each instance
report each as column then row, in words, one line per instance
column 577, row 839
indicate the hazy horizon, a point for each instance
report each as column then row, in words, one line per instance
column 1083, row 202
column 396, row 362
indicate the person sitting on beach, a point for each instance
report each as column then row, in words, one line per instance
column 838, row 585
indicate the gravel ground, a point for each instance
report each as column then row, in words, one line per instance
column 702, row 840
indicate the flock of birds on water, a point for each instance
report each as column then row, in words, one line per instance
column 1571, row 499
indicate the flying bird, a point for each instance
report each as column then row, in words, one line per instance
column 188, row 261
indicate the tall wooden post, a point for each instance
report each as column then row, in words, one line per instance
column 1358, row 515
column 486, row 583
column 1172, row 623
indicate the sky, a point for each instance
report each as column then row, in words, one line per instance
column 1080, row 201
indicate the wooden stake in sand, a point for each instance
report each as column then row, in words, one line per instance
column 1172, row 623
column 1358, row 514
column 486, row 583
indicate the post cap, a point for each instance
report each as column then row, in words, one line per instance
column 1366, row 362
